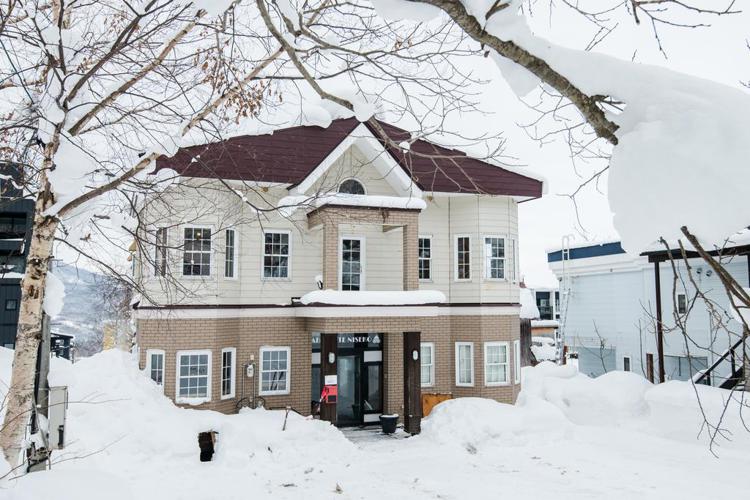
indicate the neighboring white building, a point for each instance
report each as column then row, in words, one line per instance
column 611, row 312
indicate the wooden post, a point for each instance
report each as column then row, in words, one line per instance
column 328, row 345
column 650, row 367
column 412, row 383
column 659, row 325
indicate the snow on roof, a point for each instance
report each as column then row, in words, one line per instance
column 545, row 323
column 289, row 204
column 373, row 298
column 528, row 305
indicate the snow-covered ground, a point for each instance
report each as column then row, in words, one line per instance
column 569, row 436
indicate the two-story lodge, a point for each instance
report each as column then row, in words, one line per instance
column 281, row 263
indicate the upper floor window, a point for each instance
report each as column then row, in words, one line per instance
column 425, row 258
column 276, row 254
column 494, row 254
column 196, row 258
column 351, row 264
column 230, row 254
column 160, row 259
column 463, row 257
column 351, row 186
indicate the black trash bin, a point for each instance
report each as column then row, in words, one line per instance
column 388, row 423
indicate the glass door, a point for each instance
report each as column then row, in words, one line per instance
column 348, row 407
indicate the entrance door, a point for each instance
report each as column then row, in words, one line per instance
column 348, row 406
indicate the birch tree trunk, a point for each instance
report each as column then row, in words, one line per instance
column 20, row 399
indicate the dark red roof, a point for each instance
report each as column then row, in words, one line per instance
column 289, row 155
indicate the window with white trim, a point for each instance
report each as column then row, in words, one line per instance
column 494, row 257
column 463, row 258
column 193, row 376
column 425, row 258
column 276, row 252
column 681, row 303
column 427, row 357
column 352, row 253
column 496, row 363
column 274, row 370
column 160, row 257
column 155, row 365
column 352, row 186
column 230, row 253
column 464, row 364
column 228, row 369
column 196, row 252
column 517, row 360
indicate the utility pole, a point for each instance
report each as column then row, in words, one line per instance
column 659, row 325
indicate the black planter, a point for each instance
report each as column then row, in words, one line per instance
column 388, row 423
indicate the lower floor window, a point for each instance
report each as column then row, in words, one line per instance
column 155, row 365
column 274, row 370
column 227, row 372
column 495, row 363
column 427, row 356
column 464, row 363
column 193, row 375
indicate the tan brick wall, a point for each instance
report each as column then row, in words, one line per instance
column 249, row 334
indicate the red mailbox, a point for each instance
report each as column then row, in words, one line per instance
column 329, row 394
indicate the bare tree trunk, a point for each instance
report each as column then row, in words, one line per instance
column 20, row 396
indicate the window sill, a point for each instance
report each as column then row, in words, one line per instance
column 463, row 280
column 273, row 393
column 427, row 386
column 277, row 280
column 465, row 385
column 192, row 401
column 227, row 396
column 497, row 384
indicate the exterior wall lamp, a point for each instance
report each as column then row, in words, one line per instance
column 415, row 355
column 331, row 358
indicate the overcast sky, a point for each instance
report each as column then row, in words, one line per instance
column 718, row 53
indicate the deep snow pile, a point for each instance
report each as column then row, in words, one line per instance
column 569, row 436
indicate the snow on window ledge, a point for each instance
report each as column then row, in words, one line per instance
column 373, row 298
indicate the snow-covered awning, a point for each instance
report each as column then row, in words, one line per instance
column 289, row 204
column 373, row 298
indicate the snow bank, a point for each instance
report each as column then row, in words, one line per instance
column 135, row 437
column 373, row 298
column 543, row 348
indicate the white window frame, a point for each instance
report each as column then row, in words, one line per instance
column 429, row 259
column 517, row 361
column 362, row 260
column 364, row 188
column 678, row 303
column 149, row 353
column 232, row 373
column 210, row 253
column 630, row 362
column 486, row 257
column 161, row 267
column 487, row 345
column 514, row 267
column 431, row 346
column 455, row 258
column 235, row 254
column 458, row 371
column 269, row 348
column 187, row 399
column 263, row 254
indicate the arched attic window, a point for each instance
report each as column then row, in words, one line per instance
column 351, row 186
